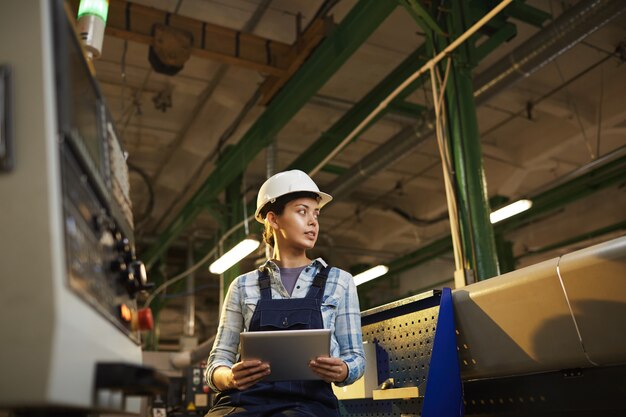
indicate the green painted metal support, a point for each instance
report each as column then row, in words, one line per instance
column 330, row 139
column 422, row 16
column 477, row 236
column 334, row 169
column 527, row 14
column 329, row 56
column 407, row 108
column 505, row 33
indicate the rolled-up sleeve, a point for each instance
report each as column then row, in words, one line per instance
column 226, row 344
column 348, row 331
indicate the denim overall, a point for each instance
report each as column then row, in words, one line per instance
column 283, row 398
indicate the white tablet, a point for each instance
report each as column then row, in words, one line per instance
column 287, row 351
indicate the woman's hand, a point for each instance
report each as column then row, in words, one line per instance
column 241, row 376
column 330, row 369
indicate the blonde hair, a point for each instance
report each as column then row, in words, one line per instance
column 268, row 234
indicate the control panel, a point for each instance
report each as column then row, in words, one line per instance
column 101, row 262
column 98, row 222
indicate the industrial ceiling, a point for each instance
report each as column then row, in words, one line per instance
column 549, row 104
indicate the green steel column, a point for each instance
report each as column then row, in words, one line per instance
column 462, row 128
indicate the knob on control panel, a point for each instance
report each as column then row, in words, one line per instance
column 136, row 279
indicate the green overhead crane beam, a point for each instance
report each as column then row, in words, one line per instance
column 329, row 56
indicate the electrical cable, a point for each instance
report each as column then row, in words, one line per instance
column 444, row 152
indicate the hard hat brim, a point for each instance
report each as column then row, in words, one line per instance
column 324, row 199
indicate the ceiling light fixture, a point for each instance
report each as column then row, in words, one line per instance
column 510, row 210
column 370, row 274
column 236, row 254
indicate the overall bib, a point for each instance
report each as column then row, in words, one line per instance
column 283, row 398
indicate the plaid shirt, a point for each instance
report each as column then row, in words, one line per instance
column 340, row 313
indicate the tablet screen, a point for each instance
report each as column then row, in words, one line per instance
column 287, row 351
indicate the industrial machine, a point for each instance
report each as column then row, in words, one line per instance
column 545, row 340
column 68, row 273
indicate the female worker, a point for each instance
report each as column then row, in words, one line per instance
column 288, row 205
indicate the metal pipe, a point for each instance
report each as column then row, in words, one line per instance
column 569, row 29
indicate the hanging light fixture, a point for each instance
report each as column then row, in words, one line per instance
column 236, row 254
column 370, row 274
column 510, row 210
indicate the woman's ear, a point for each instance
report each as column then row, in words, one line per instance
column 272, row 219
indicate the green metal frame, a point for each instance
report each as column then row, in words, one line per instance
column 329, row 56
column 423, row 17
column 478, row 242
column 527, row 14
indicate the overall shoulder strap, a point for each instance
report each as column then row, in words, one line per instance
column 265, row 285
column 319, row 282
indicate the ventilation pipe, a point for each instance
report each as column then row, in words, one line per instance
column 571, row 27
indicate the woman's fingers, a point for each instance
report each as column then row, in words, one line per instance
column 330, row 369
column 248, row 373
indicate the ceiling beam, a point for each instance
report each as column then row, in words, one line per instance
column 332, row 53
column 134, row 22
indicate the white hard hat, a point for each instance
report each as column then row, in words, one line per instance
column 287, row 182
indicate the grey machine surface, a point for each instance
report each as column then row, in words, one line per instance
column 545, row 340
column 287, row 351
column 68, row 276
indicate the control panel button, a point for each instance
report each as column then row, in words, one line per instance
column 142, row 320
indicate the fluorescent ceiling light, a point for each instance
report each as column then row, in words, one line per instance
column 236, row 254
column 510, row 210
column 370, row 274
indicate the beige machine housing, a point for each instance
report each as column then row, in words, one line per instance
column 566, row 312
column 51, row 339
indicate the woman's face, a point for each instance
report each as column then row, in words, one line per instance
column 298, row 225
